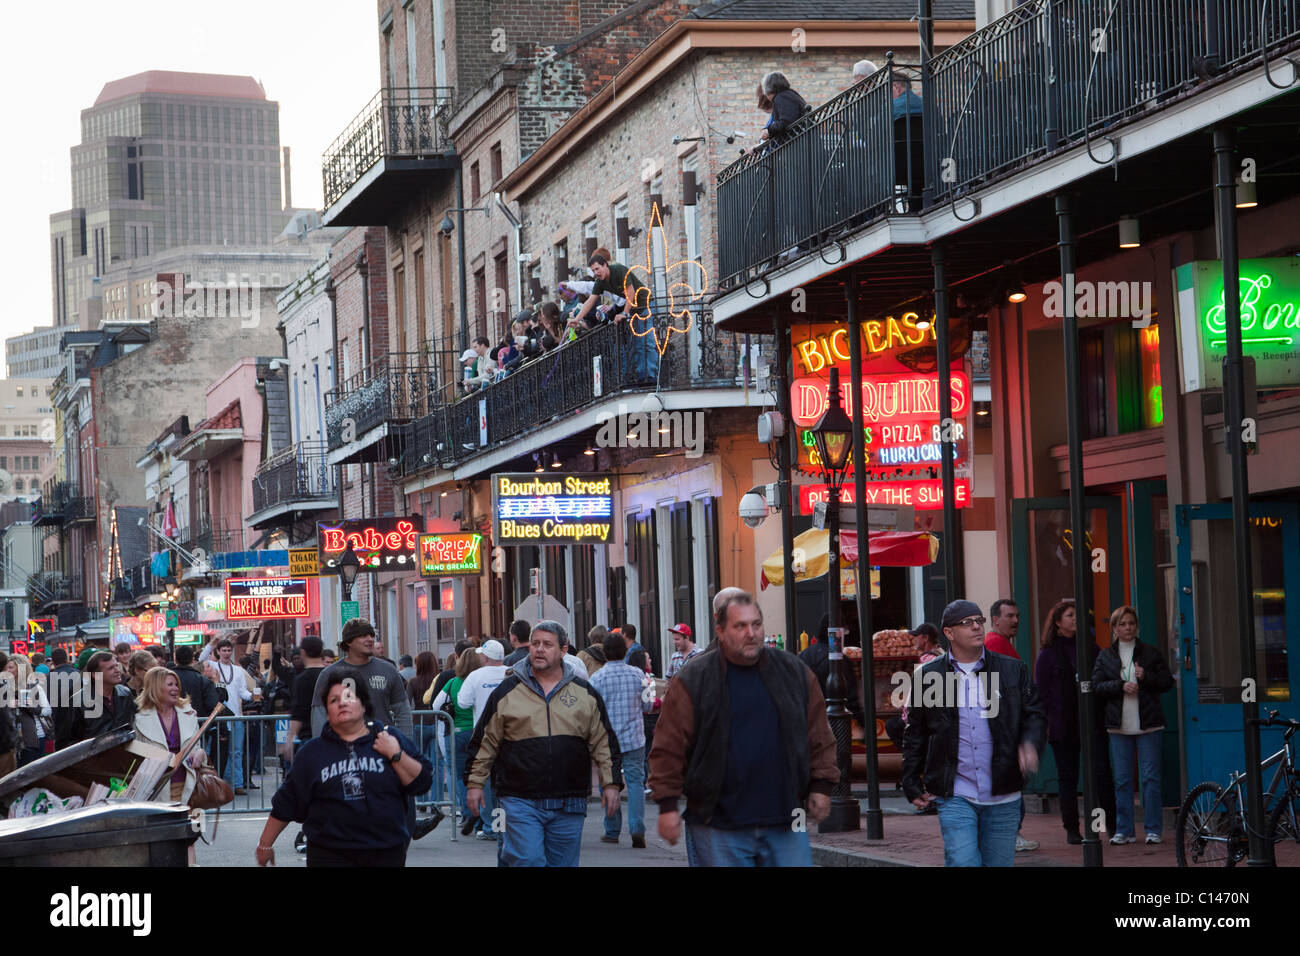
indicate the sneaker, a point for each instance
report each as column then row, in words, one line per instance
column 638, row 841
column 648, row 791
column 1151, row 838
column 608, row 839
column 300, row 842
column 1119, row 839
column 467, row 827
column 241, row 792
column 1023, row 845
column 483, row 835
column 1074, row 838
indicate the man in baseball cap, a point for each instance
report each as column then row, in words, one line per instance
column 684, row 648
column 989, row 700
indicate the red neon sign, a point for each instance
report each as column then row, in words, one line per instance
column 266, row 598
column 896, row 399
column 924, row 494
column 878, row 336
column 379, row 543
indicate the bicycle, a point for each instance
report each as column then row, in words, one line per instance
column 1212, row 829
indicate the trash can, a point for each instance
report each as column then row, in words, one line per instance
column 115, row 833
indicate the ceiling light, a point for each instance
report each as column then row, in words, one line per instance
column 443, row 495
column 1246, row 196
column 555, row 461
column 1016, row 294
column 589, row 451
column 922, row 323
column 537, row 459
column 1130, row 237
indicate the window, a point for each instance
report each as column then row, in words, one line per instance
column 399, row 307
column 621, row 238
column 480, row 301
column 589, row 240
column 474, row 184
column 690, row 217
column 561, row 252
column 496, row 163
column 18, row 484
column 20, row 391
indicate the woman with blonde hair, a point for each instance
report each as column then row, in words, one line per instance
column 166, row 720
column 1128, row 679
column 137, row 665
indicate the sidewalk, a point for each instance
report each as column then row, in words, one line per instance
column 913, row 839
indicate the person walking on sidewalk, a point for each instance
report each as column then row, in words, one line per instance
column 473, row 694
column 970, row 754
column 684, row 648
column 1005, row 620
column 743, row 735
column 538, row 736
column 1058, row 686
column 233, row 680
column 1129, row 678
column 621, row 688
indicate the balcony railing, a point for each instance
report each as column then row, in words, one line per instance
column 398, row 122
column 300, row 473
column 397, row 388
column 78, row 509
column 846, row 162
column 1046, row 76
column 46, row 587
column 214, row 538
column 594, row 367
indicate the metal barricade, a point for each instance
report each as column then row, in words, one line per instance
column 257, row 739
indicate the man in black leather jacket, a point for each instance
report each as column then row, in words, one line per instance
column 975, row 729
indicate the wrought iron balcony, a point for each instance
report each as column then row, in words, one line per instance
column 391, row 148
column 1050, row 75
column 1055, row 74
column 392, row 390
column 78, row 510
column 50, row 508
column 594, row 367
column 46, row 588
column 845, row 163
column 216, row 538
column 298, row 478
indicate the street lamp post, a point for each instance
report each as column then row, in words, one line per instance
column 833, row 437
column 349, row 565
column 173, row 592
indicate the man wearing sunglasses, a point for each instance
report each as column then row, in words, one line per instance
column 967, row 749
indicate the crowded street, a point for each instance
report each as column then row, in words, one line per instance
column 653, row 434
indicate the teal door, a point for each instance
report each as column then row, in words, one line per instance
column 1210, row 667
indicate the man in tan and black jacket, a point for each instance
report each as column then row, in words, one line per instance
column 539, row 734
column 743, row 735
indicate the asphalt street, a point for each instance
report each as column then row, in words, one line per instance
column 235, row 844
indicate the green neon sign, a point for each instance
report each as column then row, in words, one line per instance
column 1269, row 297
column 1267, row 318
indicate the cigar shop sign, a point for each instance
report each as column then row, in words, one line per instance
column 1269, row 295
column 381, row 544
column 552, row 509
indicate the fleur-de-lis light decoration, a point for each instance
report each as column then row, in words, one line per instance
column 686, row 281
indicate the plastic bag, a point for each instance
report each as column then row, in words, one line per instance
column 39, row 801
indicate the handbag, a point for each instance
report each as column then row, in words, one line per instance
column 210, row 790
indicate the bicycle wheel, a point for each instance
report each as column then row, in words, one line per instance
column 1204, row 834
column 1283, row 833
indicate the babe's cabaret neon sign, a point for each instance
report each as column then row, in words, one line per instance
column 402, row 538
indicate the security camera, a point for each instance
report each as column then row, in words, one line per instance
column 735, row 135
column 677, row 139
column 753, row 507
column 392, row 462
column 524, row 257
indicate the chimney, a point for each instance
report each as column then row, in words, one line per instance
column 288, row 181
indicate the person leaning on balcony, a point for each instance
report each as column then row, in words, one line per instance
column 787, row 106
column 905, row 101
column 616, row 279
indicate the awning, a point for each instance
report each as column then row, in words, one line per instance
column 892, row 549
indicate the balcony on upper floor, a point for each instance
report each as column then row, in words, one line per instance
column 363, row 415
column 393, row 150
column 289, row 484
column 565, row 391
column 1046, row 81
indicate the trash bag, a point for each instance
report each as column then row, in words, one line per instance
column 38, row 801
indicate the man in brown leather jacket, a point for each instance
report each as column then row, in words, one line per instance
column 750, row 787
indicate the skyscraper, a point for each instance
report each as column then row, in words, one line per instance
column 166, row 159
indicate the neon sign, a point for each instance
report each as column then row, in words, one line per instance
column 381, row 544
column 557, row 509
column 897, row 398
column 266, row 598
column 686, row 281
column 922, row 494
column 1269, row 297
column 442, row 555
column 878, row 335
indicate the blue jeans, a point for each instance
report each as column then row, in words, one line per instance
column 235, row 759
column 634, row 774
column 462, row 745
column 1124, row 748
column 641, row 360
column 756, row 846
column 537, row 837
column 428, row 740
column 978, row 835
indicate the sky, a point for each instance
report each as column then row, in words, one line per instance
column 319, row 59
